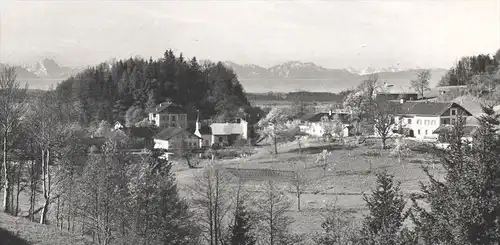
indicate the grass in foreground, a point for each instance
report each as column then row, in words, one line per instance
column 19, row 231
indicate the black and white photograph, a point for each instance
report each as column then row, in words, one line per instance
column 249, row 122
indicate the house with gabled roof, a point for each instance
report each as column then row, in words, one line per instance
column 420, row 119
column 171, row 139
column 174, row 138
column 167, row 114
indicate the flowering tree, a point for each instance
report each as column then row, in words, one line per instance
column 276, row 126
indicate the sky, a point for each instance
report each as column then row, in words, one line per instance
column 333, row 34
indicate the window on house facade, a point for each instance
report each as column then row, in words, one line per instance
column 418, row 132
column 419, row 121
column 453, row 112
column 426, row 132
column 453, row 121
column 426, row 122
column 409, row 121
column 445, row 121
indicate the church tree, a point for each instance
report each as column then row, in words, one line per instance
column 107, row 91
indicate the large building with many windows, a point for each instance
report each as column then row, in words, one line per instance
column 420, row 119
column 168, row 114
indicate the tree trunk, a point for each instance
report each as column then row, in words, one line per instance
column 7, row 184
column 57, row 212
column 18, row 190
column 46, row 186
column 275, row 145
column 300, row 146
column 298, row 198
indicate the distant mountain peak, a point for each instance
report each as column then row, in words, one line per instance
column 45, row 68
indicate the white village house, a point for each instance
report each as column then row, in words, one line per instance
column 312, row 124
column 167, row 114
column 420, row 119
column 228, row 133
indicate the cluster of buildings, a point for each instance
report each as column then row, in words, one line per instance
column 420, row 119
column 175, row 133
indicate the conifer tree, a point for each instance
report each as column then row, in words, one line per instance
column 242, row 228
column 465, row 207
column 386, row 216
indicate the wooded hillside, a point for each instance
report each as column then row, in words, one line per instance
column 124, row 89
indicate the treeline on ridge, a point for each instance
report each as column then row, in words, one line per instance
column 126, row 88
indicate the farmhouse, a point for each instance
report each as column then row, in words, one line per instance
column 171, row 139
column 167, row 114
column 421, row 119
column 312, row 124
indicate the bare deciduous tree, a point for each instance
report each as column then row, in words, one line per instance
column 49, row 133
column 12, row 108
column 212, row 199
column 421, row 84
column 384, row 121
column 271, row 208
column 300, row 181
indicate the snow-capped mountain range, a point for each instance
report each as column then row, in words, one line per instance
column 298, row 69
column 44, row 69
column 296, row 75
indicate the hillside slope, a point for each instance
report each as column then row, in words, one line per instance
column 19, row 231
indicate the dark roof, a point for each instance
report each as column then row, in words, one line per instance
column 205, row 129
column 166, row 107
column 316, row 117
column 469, row 130
column 430, row 108
column 168, row 133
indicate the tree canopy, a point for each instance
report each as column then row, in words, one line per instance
column 109, row 90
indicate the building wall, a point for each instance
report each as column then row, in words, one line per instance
column 219, row 138
column 168, row 120
column 317, row 130
column 206, row 140
column 176, row 142
column 424, row 126
column 161, row 144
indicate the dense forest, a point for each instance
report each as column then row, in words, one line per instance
column 468, row 67
column 124, row 89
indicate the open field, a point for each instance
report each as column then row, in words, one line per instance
column 349, row 174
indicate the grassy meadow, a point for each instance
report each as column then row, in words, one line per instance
column 349, row 174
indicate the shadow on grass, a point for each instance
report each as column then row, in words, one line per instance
column 7, row 238
column 318, row 149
